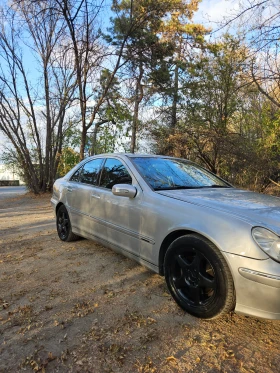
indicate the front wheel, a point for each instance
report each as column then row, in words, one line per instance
column 198, row 277
column 63, row 225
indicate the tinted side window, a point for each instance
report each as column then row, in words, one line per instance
column 76, row 175
column 113, row 173
column 90, row 171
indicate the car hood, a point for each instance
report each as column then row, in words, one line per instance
column 258, row 209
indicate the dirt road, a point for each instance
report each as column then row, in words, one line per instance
column 11, row 191
column 79, row 307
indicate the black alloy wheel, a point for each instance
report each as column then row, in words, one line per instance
column 63, row 225
column 198, row 277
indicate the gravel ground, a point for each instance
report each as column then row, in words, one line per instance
column 79, row 307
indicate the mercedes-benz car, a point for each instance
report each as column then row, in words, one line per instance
column 217, row 246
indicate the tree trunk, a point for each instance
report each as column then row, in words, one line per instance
column 94, row 135
column 134, row 123
column 138, row 98
column 83, row 143
column 94, row 139
column 48, row 132
column 175, row 100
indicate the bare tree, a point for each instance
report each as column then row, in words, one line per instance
column 81, row 18
column 32, row 116
column 259, row 21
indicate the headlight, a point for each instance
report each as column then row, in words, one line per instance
column 267, row 241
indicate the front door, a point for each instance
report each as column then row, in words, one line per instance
column 121, row 214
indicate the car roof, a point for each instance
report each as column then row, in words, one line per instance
column 134, row 155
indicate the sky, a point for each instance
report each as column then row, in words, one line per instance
column 214, row 10
column 210, row 13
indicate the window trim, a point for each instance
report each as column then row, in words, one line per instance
column 123, row 163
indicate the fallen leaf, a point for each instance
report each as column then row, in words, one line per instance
column 51, row 357
column 171, row 358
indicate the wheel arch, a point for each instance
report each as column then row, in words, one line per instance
column 173, row 236
column 58, row 206
column 167, row 242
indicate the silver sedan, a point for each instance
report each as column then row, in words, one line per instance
column 217, row 246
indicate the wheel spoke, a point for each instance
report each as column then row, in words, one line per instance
column 207, row 281
column 195, row 264
column 192, row 279
column 182, row 262
column 194, row 294
column 180, row 282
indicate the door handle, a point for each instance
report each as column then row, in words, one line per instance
column 95, row 196
column 70, row 189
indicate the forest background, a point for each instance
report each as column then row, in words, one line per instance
column 84, row 77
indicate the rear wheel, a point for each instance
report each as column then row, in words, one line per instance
column 63, row 225
column 198, row 277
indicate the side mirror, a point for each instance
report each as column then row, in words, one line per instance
column 124, row 190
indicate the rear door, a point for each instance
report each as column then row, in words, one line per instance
column 80, row 188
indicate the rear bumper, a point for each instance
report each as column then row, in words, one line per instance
column 257, row 285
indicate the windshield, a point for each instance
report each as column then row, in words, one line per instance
column 168, row 174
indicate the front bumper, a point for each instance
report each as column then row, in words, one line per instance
column 54, row 204
column 262, row 278
column 257, row 285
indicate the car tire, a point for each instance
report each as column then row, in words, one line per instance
column 63, row 225
column 198, row 277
